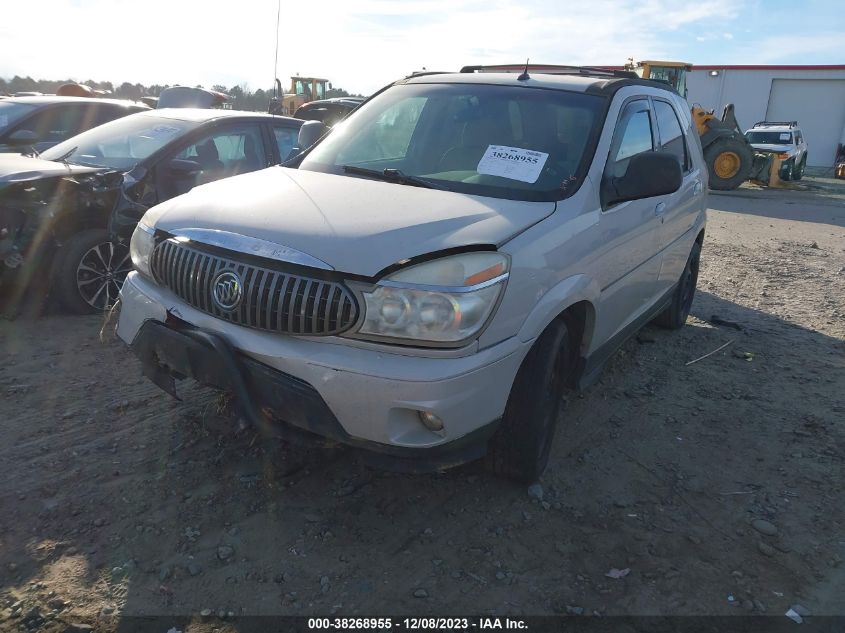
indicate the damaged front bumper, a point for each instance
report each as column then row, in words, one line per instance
column 290, row 386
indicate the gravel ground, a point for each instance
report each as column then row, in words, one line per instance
column 710, row 488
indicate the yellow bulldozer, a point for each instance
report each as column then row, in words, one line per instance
column 727, row 152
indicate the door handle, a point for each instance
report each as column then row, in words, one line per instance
column 696, row 188
column 660, row 209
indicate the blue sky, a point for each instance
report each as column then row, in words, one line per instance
column 363, row 44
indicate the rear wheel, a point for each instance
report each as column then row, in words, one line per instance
column 520, row 448
column 729, row 162
column 675, row 316
column 90, row 272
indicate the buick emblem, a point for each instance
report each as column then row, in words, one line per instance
column 227, row 291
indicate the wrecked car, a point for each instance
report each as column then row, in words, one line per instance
column 66, row 215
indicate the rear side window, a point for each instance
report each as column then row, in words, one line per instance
column 103, row 113
column 671, row 136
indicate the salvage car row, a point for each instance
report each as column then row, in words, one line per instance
column 58, row 234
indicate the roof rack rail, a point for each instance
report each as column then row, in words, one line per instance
column 553, row 69
column 786, row 123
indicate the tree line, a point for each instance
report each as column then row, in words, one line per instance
column 240, row 96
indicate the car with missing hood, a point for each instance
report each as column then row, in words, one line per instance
column 427, row 280
column 785, row 140
column 66, row 215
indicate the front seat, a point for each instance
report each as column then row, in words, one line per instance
column 207, row 156
column 251, row 160
column 477, row 135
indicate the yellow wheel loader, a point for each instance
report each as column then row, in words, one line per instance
column 302, row 90
column 727, row 152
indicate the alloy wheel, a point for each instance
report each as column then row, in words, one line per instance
column 101, row 272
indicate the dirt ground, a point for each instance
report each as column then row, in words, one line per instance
column 717, row 484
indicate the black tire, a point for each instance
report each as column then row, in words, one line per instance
column 675, row 316
column 739, row 151
column 90, row 271
column 798, row 174
column 787, row 170
column 520, row 448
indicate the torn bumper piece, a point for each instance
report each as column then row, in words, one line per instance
column 296, row 410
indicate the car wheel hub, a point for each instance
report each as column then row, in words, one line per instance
column 101, row 272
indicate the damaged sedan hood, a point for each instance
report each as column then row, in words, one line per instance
column 19, row 168
column 354, row 225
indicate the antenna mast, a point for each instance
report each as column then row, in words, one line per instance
column 276, row 65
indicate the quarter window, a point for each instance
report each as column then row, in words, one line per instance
column 635, row 132
column 633, row 136
column 285, row 139
column 671, row 135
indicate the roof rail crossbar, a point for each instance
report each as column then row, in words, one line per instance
column 786, row 123
column 553, row 69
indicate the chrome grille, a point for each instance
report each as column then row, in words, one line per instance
column 271, row 300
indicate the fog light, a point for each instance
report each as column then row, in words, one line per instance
column 431, row 421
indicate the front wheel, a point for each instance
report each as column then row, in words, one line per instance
column 520, row 448
column 675, row 316
column 91, row 270
column 799, row 172
column 729, row 161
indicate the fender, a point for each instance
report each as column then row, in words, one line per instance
column 559, row 297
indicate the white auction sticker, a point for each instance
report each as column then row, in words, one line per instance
column 512, row 162
column 785, row 136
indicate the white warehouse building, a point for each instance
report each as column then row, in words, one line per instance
column 812, row 95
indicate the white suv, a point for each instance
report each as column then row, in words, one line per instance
column 427, row 280
column 784, row 139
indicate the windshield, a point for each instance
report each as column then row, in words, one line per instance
column 500, row 141
column 120, row 144
column 769, row 138
column 11, row 112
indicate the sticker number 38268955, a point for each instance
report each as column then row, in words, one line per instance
column 512, row 162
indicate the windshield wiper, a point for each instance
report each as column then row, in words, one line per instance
column 389, row 175
column 63, row 158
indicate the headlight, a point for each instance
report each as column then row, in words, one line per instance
column 141, row 247
column 442, row 301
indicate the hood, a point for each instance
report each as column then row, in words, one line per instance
column 355, row 225
column 19, row 168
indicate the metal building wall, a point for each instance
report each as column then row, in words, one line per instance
column 750, row 90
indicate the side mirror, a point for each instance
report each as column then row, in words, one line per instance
column 184, row 167
column 23, row 137
column 310, row 133
column 649, row 174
